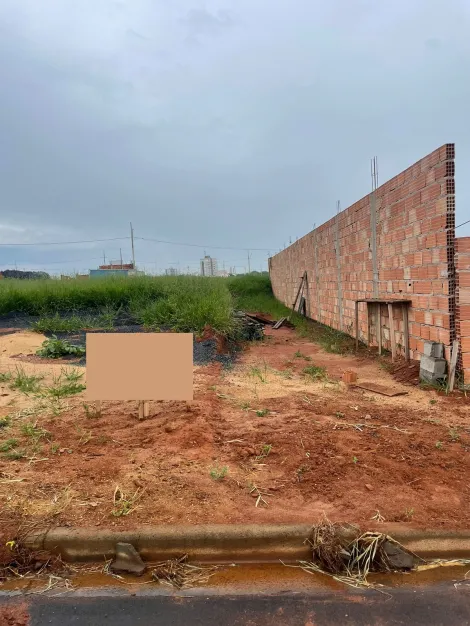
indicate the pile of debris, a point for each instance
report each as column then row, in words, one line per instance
column 250, row 329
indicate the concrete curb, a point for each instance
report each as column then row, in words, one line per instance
column 224, row 543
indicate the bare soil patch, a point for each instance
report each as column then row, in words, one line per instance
column 262, row 442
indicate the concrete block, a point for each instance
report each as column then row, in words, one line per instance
column 434, row 349
column 432, row 369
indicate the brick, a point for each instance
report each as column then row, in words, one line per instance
column 462, row 244
column 463, row 279
column 465, row 344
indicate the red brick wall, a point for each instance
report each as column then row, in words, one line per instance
column 415, row 256
column 462, row 321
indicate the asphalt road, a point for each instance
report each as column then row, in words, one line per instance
column 416, row 606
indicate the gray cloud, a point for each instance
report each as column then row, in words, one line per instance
column 242, row 140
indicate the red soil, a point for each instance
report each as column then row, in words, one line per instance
column 319, row 462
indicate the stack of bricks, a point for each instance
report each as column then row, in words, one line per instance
column 415, row 222
column 462, row 296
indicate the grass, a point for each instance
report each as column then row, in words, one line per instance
column 181, row 303
column 316, row 372
column 5, row 421
column 67, row 383
column 218, row 473
column 57, row 324
column 185, row 303
column 124, row 504
column 35, row 432
column 260, row 372
column 265, row 451
column 9, row 444
column 5, row 377
column 24, row 382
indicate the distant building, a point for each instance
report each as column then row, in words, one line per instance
column 116, row 265
column 208, row 266
column 223, row 273
column 171, row 271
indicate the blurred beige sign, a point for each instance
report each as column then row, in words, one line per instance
column 139, row 366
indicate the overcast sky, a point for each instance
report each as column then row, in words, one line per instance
column 231, row 123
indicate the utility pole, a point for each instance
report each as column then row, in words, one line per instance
column 120, row 253
column 104, row 258
column 249, row 267
column 132, row 243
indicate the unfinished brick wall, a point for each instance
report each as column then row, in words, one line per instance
column 414, row 245
column 462, row 295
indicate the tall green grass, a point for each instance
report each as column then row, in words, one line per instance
column 47, row 297
column 185, row 303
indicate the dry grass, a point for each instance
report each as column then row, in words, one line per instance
column 180, row 574
column 347, row 555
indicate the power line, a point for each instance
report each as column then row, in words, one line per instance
column 60, row 243
column 196, row 245
column 463, row 224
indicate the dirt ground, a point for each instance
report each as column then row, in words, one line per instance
column 261, row 443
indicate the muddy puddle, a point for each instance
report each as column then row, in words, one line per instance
column 266, row 578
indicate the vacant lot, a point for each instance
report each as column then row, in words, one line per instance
column 274, row 437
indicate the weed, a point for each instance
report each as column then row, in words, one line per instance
column 299, row 355
column 63, row 385
column 55, row 447
column 454, row 435
column 432, row 401
column 5, row 377
column 258, row 372
column 265, row 451
column 218, row 473
column 355, row 460
column 5, row 421
column 24, row 382
column 439, row 445
column 8, row 445
column 438, row 385
column 15, row 455
column 300, row 471
column 124, row 504
column 408, row 514
column 315, row 372
column 262, row 412
column 55, row 348
column 245, row 406
column 91, row 412
column 35, row 432
column 339, row 414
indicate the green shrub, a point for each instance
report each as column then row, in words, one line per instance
column 55, row 348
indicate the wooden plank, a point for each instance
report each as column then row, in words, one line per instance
column 356, row 317
column 378, row 327
column 298, row 291
column 406, row 332
column 280, row 322
column 392, row 331
column 453, row 365
column 385, row 391
column 146, row 408
column 259, row 318
column 98, row 408
column 141, row 409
